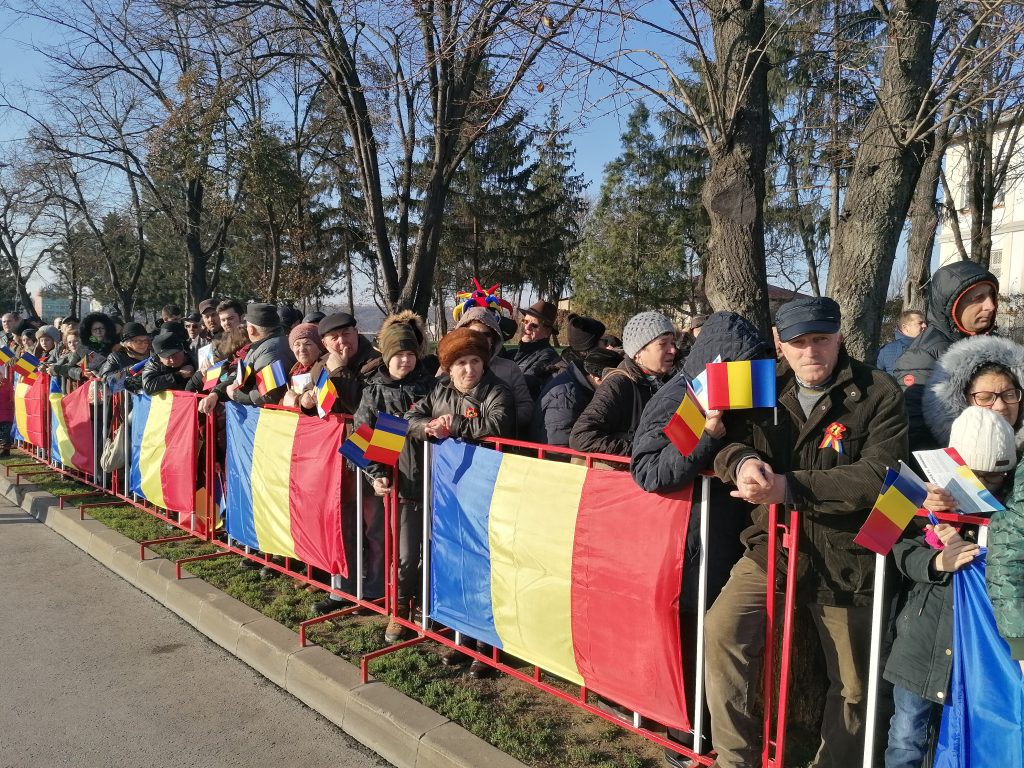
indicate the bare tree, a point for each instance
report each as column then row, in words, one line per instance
column 25, row 233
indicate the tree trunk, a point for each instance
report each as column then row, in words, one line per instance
column 883, row 179
column 349, row 288
column 733, row 193
column 924, row 218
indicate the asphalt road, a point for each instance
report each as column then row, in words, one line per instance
column 94, row 673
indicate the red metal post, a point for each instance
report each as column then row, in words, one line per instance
column 769, row 635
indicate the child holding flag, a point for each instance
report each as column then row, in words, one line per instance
column 399, row 382
column 921, row 658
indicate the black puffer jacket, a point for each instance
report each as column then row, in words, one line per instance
column 536, row 359
column 488, row 410
column 914, row 367
column 944, row 397
column 157, row 377
column 659, row 467
column 609, row 422
column 116, row 364
column 382, row 393
column 560, row 404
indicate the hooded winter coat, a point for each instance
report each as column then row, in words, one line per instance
column 506, row 370
column 560, row 404
column 485, row 411
column 610, row 420
column 944, row 396
column 890, row 353
column 383, row 393
column 1004, row 569
column 85, row 329
column 914, row 367
column 659, row 467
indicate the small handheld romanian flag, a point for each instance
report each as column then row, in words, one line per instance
column 388, row 439
column 27, row 365
column 687, row 424
column 5, row 355
column 242, row 373
column 901, row 496
column 212, row 375
column 270, row 378
column 354, row 449
column 741, row 384
column 136, row 369
column 326, row 393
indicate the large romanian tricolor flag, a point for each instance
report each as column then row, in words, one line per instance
column 30, row 397
column 164, row 446
column 284, row 484
column 577, row 571
column 741, row 384
column 71, row 429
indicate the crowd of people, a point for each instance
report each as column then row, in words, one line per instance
column 948, row 379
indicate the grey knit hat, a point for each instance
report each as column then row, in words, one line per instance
column 48, row 330
column 642, row 329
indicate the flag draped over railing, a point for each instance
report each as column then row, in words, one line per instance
column 577, row 571
column 164, row 444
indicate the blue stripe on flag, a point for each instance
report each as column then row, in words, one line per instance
column 762, row 379
column 911, row 490
column 460, row 561
column 241, row 438
column 393, row 424
column 140, row 415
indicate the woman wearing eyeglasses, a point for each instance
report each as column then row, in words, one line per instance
column 986, row 371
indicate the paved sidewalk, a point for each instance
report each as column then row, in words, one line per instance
column 95, row 674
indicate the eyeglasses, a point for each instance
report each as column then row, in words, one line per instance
column 530, row 326
column 987, row 399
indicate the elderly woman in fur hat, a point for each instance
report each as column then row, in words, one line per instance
column 470, row 403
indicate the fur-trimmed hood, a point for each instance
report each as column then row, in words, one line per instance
column 410, row 318
column 98, row 317
column 944, row 397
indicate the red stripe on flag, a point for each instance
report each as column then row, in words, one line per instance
column 718, row 387
column 682, row 437
column 314, row 493
column 178, row 465
column 879, row 533
column 627, row 568
column 78, row 418
column 36, row 400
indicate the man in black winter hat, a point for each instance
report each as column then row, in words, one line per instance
column 269, row 345
column 171, row 365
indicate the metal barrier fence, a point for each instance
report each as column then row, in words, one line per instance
column 111, row 411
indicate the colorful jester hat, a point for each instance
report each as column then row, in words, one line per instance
column 488, row 299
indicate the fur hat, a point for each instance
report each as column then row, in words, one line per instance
column 945, row 395
column 48, row 330
column 984, row 440
column 642, row 329
column 305, row 331
column 460, row 343
column 85, row 327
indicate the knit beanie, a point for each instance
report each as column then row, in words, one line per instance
column 584, row 333
column 395, row 338
column 48, row 330
column 305, row 331
column 642, row 329
column 460, row 343
column 984, row 440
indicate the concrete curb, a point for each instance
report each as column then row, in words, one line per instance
column 399, row 729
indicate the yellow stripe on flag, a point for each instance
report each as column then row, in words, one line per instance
column 154, row 446
column 531, row 560
column 387, row 440
column 689, row 412
column 20, row 412
column 64, row 445
column 897, row 507
column 741, row 388
column 271, row 473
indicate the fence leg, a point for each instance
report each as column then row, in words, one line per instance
column 702, row 604
column 425, row 554
column 359, row 535
column 877, row 618
column 769, row 636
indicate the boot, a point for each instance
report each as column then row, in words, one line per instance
column 396, row 632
